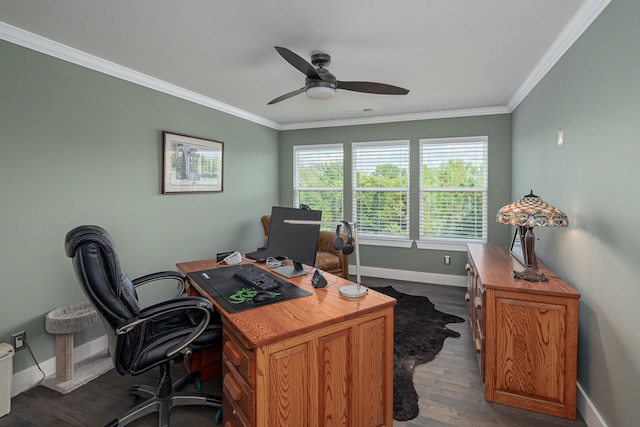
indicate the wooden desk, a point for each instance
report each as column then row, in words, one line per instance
column 321, row 360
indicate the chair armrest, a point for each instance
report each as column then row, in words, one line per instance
column 162, row 308
column 163, row 275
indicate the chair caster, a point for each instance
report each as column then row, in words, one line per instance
column 134, row 398
column 218, row 419
column 198, row 385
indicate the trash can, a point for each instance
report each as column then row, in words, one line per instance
column 6, row 373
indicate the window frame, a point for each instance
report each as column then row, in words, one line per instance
column 382, row 239
column 296, row 165
column 449, row 243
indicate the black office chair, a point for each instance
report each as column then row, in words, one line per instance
column 142, row 339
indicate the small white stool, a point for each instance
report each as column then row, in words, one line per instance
column 64, row 322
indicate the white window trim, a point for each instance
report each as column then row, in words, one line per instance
column 372, row 240
column 443, row 246
column 320, row 147
column 441, row 243
column 381, row 241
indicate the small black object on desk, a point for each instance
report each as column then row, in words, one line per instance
column 263, row 296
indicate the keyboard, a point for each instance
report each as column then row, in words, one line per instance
column 257, row 279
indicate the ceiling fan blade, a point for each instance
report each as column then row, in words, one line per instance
column 370, row 87
column 298, row 62
column 286, row 96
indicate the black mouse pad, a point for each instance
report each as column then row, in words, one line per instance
column 235, row 295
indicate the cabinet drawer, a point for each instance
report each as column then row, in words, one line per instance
column 232, row 415
column 236, row 392
column 240, row 358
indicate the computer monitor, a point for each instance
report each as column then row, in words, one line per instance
column 298, row 242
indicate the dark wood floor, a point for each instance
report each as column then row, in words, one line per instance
column 101, row 401
column 449, row 387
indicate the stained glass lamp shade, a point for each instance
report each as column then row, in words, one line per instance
column 526, row 213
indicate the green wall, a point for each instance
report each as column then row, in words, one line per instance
column 593, row 92
column 496, row 127
column 80, row 147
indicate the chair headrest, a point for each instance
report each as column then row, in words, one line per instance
column 86, row 233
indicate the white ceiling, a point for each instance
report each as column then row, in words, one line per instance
column 455, row 56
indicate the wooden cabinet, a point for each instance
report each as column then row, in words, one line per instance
column 332, row 376
column 526, row 333
column 316, row 361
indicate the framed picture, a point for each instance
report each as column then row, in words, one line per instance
column 191, row 164
column 517, row 243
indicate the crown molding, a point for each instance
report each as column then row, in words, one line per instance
column 66, row 53
column 585, row 16
column 445, row 114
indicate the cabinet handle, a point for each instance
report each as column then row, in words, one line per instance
column 478, row 346
column 231, row 388
column 467, row 267
column 232, row 353
column 478, row 302
column 467, row 297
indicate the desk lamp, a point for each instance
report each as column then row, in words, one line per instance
column 526, row 213
column 349, row 291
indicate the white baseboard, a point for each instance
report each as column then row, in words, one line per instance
column 28, row 378
column 411, row 276
column 588, row 411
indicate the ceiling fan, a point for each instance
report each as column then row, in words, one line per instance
column 321, row 84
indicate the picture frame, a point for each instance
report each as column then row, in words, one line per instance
column 191, row 164
column 517, row 243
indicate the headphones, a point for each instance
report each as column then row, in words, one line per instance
column 338, row 243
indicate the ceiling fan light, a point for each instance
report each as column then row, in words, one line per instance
column 320, row 92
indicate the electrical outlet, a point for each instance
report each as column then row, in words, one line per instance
column 447, row 260
column 19, row 340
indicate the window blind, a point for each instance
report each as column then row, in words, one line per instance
column 381, row 188
column 453, row 188
column 318, row 179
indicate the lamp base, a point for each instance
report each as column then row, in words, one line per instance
column 530, row 275
column 353, row 291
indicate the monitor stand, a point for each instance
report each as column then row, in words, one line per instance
column 291, row 270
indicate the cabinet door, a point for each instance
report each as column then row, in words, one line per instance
column 340, row 376
column 374, row 365
column 532, row 352
column 289, row 387
column 334, row 373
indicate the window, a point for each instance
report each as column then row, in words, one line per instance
column 318, row 179
column 381, row 188
column 453, row 189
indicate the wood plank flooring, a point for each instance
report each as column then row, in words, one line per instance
column 449, row 387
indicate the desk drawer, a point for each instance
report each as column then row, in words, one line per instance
column 232, row 415
column 240, row 358
column 238, row 393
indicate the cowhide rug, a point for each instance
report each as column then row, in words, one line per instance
column 419, row 334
